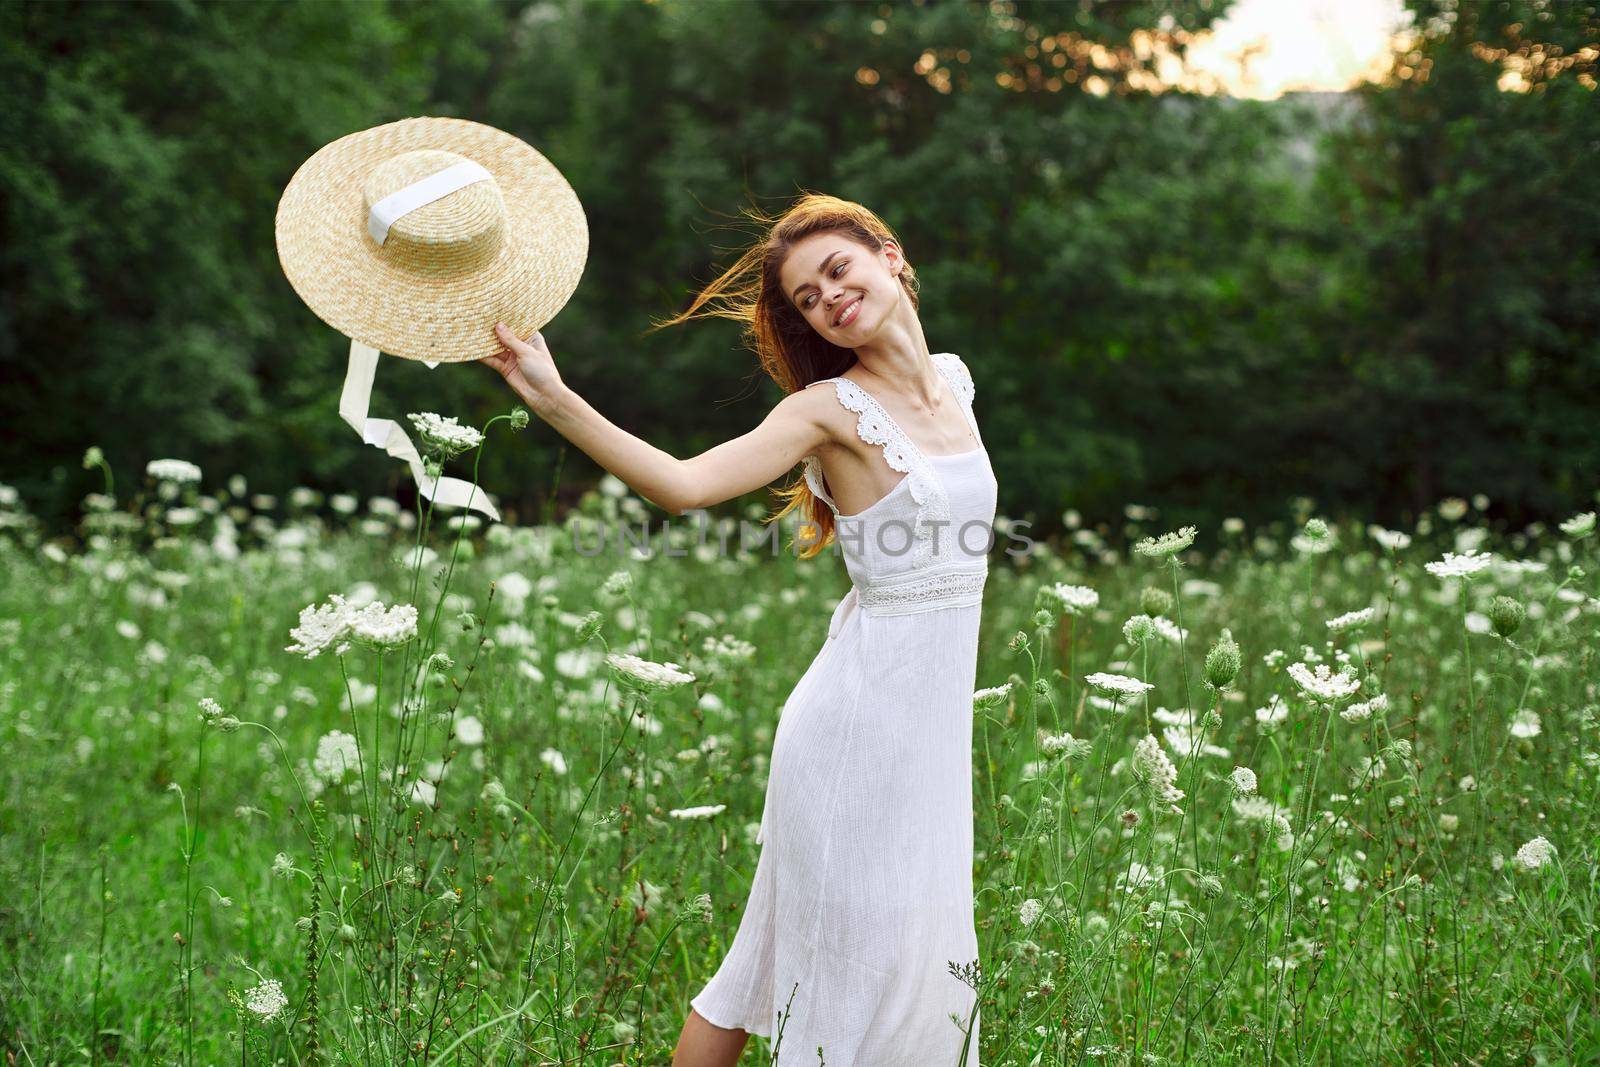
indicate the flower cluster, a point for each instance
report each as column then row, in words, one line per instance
column 1366, row 709
column 177, row 471
column 984, row 699
column 1351, row 620
column 1464, row 565
column 382, row 627
column 442, row 435
column 1578, row 527
column 1322, row 685
column 1139, row 629
column 1117, row 684
column 646, row 676
column 703, row 812
column 1534, row 854
column 267, row 1000
column 1167, row 544
column 1065, row 746
column 1074, row 599
column 337, row 756
column 1314, row 538
column 328, row 625
column 1156, row 773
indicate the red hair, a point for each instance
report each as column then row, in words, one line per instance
column 790, row 350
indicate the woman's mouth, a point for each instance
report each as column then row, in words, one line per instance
column 848, row 315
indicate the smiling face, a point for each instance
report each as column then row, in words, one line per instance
column 830, row 277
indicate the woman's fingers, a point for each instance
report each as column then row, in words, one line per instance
column 507, row 338
column 501, row 361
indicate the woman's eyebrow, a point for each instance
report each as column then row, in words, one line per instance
column 796, row 296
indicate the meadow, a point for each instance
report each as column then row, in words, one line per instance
column 312, row 780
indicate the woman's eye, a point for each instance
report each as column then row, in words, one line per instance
column 835, row 272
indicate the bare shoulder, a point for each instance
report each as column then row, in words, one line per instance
column 818, row 404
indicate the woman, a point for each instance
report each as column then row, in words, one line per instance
column 861, row 902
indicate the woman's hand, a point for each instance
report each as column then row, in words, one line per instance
column 529, row 369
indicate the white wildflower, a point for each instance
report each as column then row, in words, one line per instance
column 1579, row 526
column 1075, row 599
column 1464, row 565
column 1272, row 714
column 645, row 675
column 553, row 759
column 703, row 812
column 1314, row 538
column 382, row 627
column 1169, row 629
column 469, row 730
column 1065, row 745
column 1534, row 854
column 1030, row 911
column 322, row 627
column 1350, row 620
column 1117, row 684
column 176, row 471
column 1167, row 544
column 1525, row 723
column 1243, row 781
column 1323, row 685
column 443, row 435
column 1138, row 629
column 266, row 1000
column 1366, row 709
column 984, row 699
column 1391, row 539
column 337, row 757
column 1156, row 773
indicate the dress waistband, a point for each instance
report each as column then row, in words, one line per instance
column 944, row 585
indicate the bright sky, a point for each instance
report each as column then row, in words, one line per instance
column 1264, row 47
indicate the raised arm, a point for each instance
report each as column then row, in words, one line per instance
column 793, row 429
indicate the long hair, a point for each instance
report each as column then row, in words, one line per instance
column 791, row 352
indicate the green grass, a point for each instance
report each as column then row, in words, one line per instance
column 545, row 908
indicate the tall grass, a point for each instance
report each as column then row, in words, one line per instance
column 536, row 856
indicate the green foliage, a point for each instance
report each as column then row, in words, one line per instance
column 1180, row 299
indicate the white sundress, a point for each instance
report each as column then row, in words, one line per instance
column 862, row 893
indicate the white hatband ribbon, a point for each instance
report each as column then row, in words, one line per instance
column 387, row 211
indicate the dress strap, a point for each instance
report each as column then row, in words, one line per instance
column 955, row 372
column 875, row 426
column 813, row 471
column 812, row 467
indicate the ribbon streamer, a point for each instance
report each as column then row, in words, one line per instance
column 389, row 436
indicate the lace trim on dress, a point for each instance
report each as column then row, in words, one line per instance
column 875, row 426
column 930, row 588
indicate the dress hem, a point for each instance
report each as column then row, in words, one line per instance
column 746, row 1025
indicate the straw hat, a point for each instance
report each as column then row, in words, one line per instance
column 417, row 236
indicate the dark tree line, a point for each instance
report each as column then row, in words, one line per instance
column 1376, row 299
